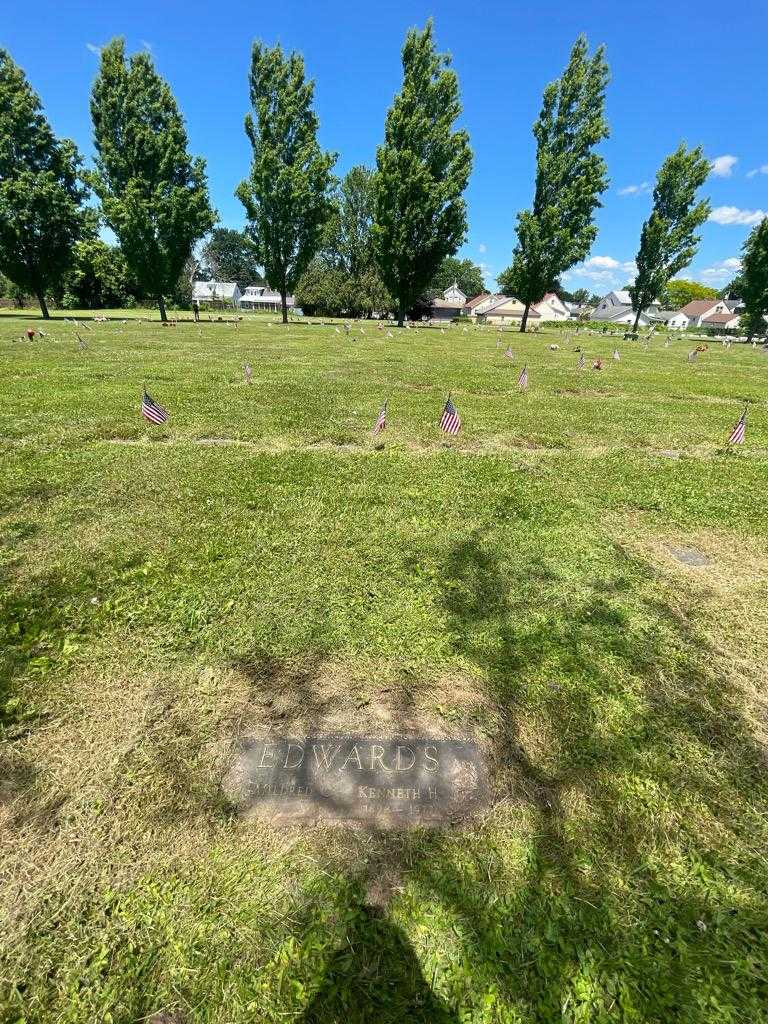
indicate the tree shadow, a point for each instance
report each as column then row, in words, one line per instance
column 375, row 976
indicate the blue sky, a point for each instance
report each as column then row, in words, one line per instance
column 680, row 70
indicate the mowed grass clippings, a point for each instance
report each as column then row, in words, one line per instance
column 262, row 563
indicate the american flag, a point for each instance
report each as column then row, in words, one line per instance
column 693, row 355
column 151, row 411
column 616, row 355
column 582, row 361
column 248, row 373
column 381, row 420
column 739, row 431
column 450, row 421
column 522, row 380
column 509, row 354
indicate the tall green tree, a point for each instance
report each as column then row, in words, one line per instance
column 422, row 170
column 668, row 240
column 680, row 292
column 754, row 281
column 230, row 255
column 344, row 277
column 287, row 196
column 41, row 195
column 465, row 273
column 558, row 231
column 153, row 194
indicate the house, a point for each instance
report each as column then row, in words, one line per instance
column 450, row 306
column 264, row 298
column 674, row 320
column 507, row 310
column 617, row 304
column 222, row 293
column 624, row 315
column 577, row 312
column 728, row 321
column 551, row 308
column 700, row 309
column 479, row 303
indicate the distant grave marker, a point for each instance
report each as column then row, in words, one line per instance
column 690, row 556
column 385, row 782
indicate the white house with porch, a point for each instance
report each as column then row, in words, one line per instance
column 216, row 293
column 260, row 296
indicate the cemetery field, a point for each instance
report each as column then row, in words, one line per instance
column 260, row 564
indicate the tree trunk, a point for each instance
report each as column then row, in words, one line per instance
column 161, row 303
column 524, row 321
column 637, row 318
column 43, row 307
column 400, row 315
column 284, row 303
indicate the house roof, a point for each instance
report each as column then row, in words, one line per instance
column 446, row 304
column 699, row 306
column 720, row 318
column 214, row 289
column 515, row 305
column 477, row 299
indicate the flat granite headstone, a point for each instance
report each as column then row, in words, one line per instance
column 390, row 782
column 690, row 556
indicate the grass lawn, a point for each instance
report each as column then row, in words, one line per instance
column 258, row 564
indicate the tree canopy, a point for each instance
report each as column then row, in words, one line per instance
column 558, row 231
column 41, row 195
column 154, row 195
column 754, row 280
column 465, row 273
column 422, row 170
column 287, row 195
column 230, row 255
column 680, row 292
column 668, row 240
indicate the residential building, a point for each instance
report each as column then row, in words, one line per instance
column 729, row 320
column 507, row 310
column 479, row 303
column 264, row 298
column 700, row 309
column 450, row 306
column 551, row 308
column 675, row 320
column 455, row 294
column 216, row 293
column 616, row 305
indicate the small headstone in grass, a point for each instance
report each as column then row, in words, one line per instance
column 390, row 782
column 689, row 556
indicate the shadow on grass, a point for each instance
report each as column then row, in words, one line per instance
column 640, row 892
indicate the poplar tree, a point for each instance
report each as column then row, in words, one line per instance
column 287, row 196
column 153, row 194
column 754, row 281
column 41, row 197
column 668, row 240
column 558, row 230
column 422, row 170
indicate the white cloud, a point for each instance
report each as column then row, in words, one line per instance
column 722, row 272
column 482, row 248
column 636, row 190
column 762, row 169
column 722, row 166
column 733, row 215
column 93, row 48
column 605, row 270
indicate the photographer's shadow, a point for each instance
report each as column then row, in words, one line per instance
column 375, row 977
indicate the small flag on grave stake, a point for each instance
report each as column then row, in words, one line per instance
column 693, row 355
column 616, row 355
column 151, row 411
column 381, row 420
column 509, row 354
column 450, row 421
column 522, row 380
column 740, row 430
column 582, row 361
column 248, row 373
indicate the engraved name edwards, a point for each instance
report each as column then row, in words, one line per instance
column 387, row 781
